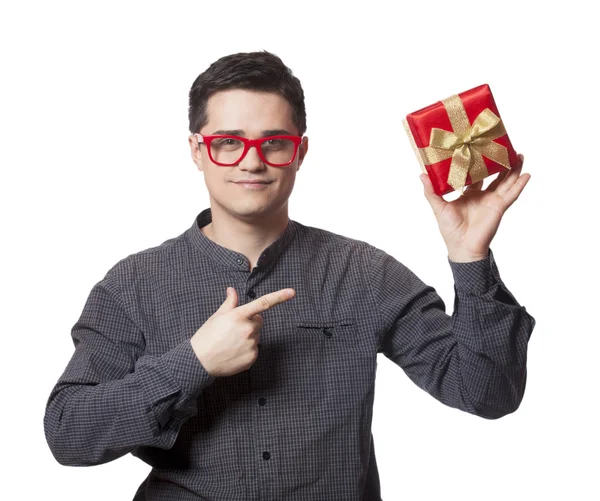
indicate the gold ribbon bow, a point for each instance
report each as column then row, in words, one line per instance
column 466, row 144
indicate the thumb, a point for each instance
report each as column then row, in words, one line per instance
column 231, row 301
column 437, row 202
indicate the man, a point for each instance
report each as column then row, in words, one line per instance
column 267, row 393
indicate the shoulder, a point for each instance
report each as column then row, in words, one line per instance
column 319, row 243
column 150, row 263
column 322, row 244
column 319, row 238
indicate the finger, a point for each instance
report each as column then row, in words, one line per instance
column 437, row 202
column 511, row 178
column 502, row 176
column 265, row 302
column 231, row 301
column 475, row 186
column 509, row 181
column 258, row 321
column 257, row 338
column 499, row 178
column 511, row 195
column 256, row 329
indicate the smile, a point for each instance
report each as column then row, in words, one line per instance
column 253, row 186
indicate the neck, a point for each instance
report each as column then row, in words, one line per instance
column 247, row 236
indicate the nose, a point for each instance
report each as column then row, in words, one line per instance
column 252, row 161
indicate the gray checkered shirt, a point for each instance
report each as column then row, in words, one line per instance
column 296, row 426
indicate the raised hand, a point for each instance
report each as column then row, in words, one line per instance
column 227, row 342
column 469, row 223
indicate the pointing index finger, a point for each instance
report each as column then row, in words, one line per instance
column 267, row 301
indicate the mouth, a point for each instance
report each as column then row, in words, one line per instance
column 252, row 182
column 253, row 185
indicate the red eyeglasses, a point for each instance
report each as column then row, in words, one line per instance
column 226, row 150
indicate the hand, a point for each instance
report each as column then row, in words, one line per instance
column 469, row 223
column 227, row 342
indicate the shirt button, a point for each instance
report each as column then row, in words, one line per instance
column 327, row 332
column 262, row 401
column 239, row 260
column 266, row 455
column 251, row 294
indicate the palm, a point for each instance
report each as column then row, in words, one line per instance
column 469, row 223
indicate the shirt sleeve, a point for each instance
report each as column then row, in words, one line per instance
column 111, row 397
column 473, row 360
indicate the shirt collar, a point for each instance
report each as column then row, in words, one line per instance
column 232, row 259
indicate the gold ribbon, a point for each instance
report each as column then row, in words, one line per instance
column 467, row 144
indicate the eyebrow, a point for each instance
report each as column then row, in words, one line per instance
column 264, row 133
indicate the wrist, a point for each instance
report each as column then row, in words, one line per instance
column 201, row 355
column 462, row 256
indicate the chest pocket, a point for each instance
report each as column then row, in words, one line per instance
column 335, row 335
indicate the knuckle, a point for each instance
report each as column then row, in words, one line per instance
column 237, row 314
column 264, row 303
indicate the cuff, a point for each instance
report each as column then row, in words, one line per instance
column 476, row 276
column 186, row 370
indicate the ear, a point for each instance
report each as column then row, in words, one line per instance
column 302, row 150
column 195, row 151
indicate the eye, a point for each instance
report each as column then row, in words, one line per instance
column 272, row 144
column 227, row 143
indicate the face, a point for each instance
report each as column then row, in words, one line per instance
column 251, row 113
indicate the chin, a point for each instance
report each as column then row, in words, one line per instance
column 249, row 207
column 250, row 210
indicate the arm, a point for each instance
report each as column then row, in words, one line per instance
column 111, row 399
column 475, row 360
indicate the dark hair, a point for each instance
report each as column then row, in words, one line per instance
column 259, row 71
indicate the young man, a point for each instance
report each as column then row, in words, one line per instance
column 238, row 359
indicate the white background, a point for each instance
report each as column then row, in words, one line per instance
column 95, row 166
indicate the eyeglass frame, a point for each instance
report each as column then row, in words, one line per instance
column 248, row 143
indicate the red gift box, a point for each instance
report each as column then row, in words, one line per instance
column 460, row 140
